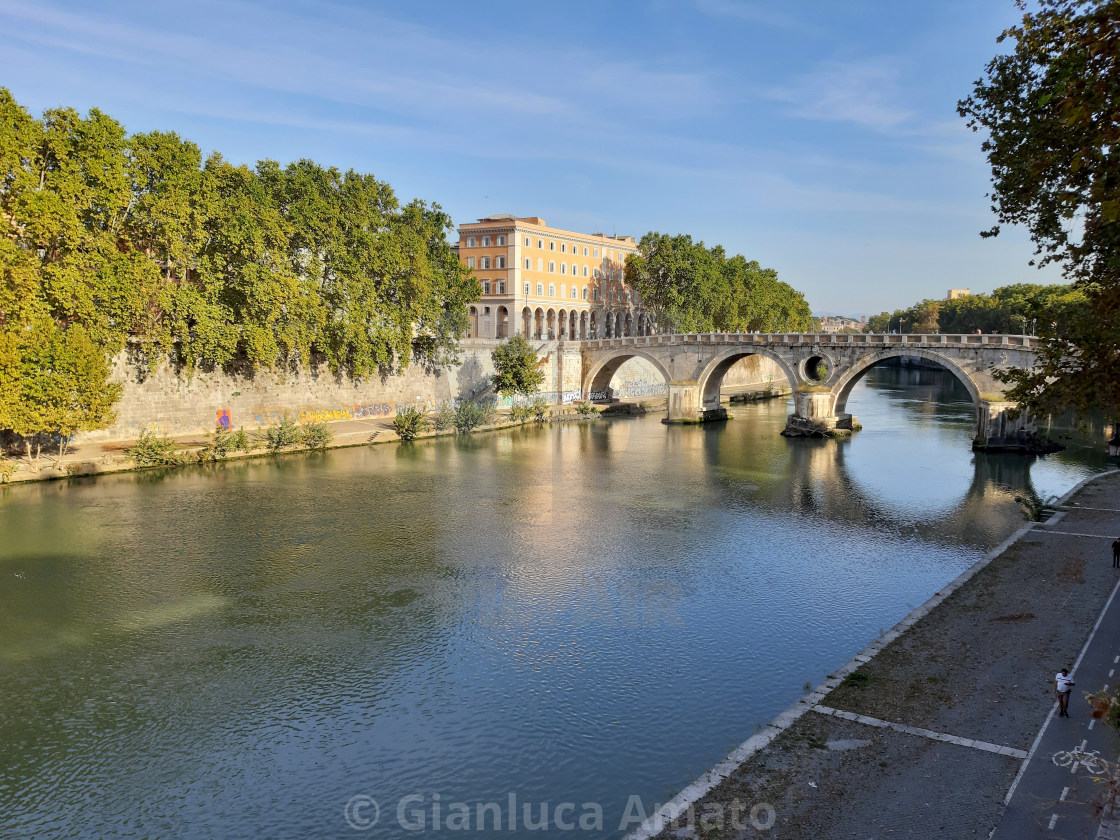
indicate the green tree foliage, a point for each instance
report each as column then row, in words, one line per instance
column 517, row 369
column 1018, row 308
column 119, row 238
column 693, row 288
column 1049, row 107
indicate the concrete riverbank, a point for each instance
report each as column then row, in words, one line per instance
column 925, row 732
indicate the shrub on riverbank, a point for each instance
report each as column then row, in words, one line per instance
column 282, row 435
column 410, row 422
column 315, row 435
column 152, row 450
column 470, row 414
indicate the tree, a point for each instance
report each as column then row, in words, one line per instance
column 516, row 367
column 1051, row 110
column 55, row 384
column 699, row 289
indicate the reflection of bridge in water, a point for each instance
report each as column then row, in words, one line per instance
column 819, row 481
column 821, row 369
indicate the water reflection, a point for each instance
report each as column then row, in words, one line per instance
column 573, row 613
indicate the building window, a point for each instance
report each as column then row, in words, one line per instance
column 573, row 269
column 563, row 290
column 597, row 274
column 486, row 242
column 501, row 287
column 551, row 245
column 526, row 290
column 499, row 262
column 595, row 294
column 501, row 240
column 610, row 296
column 528, row 242
column 486, row 310
column 540, row 243
column 563, row 268
column 483, row 262
column 540, row 289
column 551, row 267
column 552, row 290
column 470, row 262
column 540, row 264
column 528, row 264
column 470, row 241
column 486, row 287
column 585, row 293
column 585, row 250
column 574, row 293
column 585, row 271
column 563, row 248
column 596, row 254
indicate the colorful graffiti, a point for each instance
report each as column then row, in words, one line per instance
column 265, row 415
column 224, row 420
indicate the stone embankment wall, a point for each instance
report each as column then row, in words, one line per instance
column 163, row 400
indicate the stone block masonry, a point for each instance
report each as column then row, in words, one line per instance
column 175, row 403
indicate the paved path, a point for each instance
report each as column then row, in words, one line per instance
column 1049, row 800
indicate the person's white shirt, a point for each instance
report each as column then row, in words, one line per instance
column 1064, row 682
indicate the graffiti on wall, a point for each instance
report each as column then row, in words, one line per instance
column 265, row 415
column 551, row 397
column 224, row 421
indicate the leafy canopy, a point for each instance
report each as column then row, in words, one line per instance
column 693, row 288
column 516, row 367
column 1050, row 108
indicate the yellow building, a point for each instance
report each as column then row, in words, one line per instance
column 546, row 283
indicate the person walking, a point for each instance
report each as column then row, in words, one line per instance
column 1063, row 684
column 1116, row 553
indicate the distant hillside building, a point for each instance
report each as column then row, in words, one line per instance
column 958, row 293
column 547, row 283
column 837, row 324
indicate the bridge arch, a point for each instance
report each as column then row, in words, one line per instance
column 598, row 378
column 843, row 387
column 711, row 378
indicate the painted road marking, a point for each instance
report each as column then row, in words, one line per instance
column 1111, row 671
column 1054, row 708
column 1081, row 507
column 1116, row 660
column 1053, row 819
column 1065, row 792
column 1091, row 722
column 1071, row 534
column 923, row 733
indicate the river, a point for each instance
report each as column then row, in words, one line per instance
column 584, row 613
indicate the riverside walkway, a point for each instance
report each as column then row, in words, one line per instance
column 945, row 727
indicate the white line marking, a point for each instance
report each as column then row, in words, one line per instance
column 924, row 733
column 1111, row 671
column 1054, row 708
column 1082, row 747
column 1084, row 507
column 1071, row 534
column 1053, row 819
column 1116, row 660
column 1091, row 722
column 1065, row 791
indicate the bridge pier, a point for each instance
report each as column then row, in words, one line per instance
column 814, row 415
column 686, row 405
column 997, row 430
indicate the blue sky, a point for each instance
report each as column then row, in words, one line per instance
column 817, row 137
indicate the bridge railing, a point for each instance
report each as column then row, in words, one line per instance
column 1026, row 342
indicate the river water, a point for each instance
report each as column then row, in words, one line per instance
column 587, row 613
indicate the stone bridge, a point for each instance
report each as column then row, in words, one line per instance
column 821, row 369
